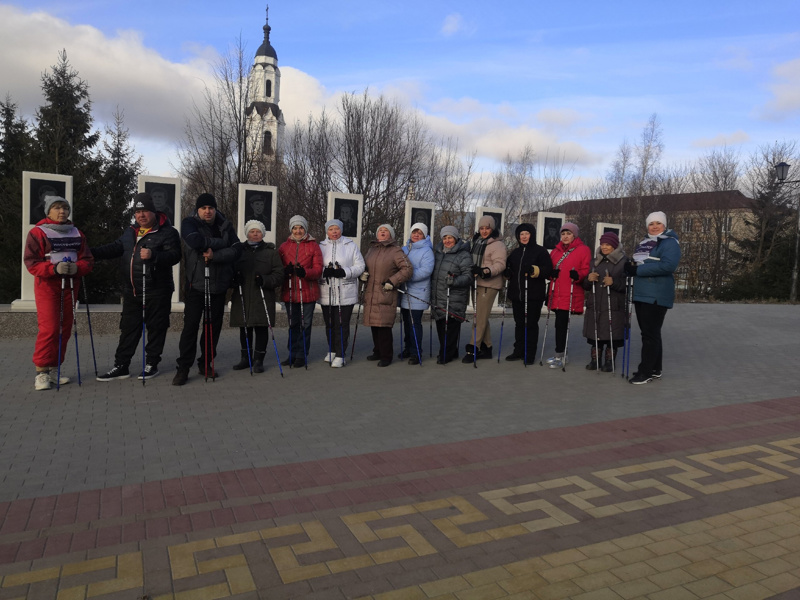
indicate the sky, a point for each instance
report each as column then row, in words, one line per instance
column 569, row 79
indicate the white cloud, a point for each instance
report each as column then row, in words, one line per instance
column 736, row 59
column 453, row 23
column 786, row 91
column 559, row 117
column 723, row 139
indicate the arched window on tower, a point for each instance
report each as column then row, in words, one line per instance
column 267, row 143
column 268, row 88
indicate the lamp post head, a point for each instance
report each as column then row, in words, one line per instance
column 782, row 171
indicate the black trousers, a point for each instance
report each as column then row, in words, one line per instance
column 412, row 327
column 453, row 331
column 259, row 344
column 337, row 334
column 192, row 318
column 157, row 309
column 650, row 318
column 534, row 312
column 562, row 328
column 383, row 342
column 301, row 317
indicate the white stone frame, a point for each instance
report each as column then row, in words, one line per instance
column 272, row 192
column 27, row 300
column 408, row 220
column 480, row 211
column 333, row 200
column 540, row 229
column 600, row 229
column 175, row 183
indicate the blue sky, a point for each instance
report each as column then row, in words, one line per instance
column 573, row 78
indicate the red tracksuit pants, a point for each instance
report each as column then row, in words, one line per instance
column 48, row 308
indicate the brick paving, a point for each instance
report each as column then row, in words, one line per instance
column 344, row 484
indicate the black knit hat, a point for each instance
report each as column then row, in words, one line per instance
column 205, row 200
column 526, row 227
column 144, row 201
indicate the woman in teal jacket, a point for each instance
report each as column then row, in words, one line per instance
column 654, row 262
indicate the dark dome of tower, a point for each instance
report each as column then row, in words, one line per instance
column 266, row 49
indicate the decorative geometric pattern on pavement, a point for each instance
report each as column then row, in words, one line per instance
column 703, row 504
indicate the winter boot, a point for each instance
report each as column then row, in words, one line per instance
column 181, row 377
column 468, row 357
column 244, row 363
column 592, row 366
column 258, row 362
column 607, row 365
column 485, row 351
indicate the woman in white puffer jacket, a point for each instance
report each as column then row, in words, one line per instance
column 338, row 288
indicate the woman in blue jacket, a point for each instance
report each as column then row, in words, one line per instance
column 654, row 262
column 419, row 250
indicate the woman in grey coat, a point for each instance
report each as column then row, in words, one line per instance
column 452, row 272
column 605, row 284
column 258, row 269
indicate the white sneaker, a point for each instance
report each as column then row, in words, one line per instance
column 42, row 381
column 551, row 360
column 330, row 356
column 557, row 363
column 338, row 362
column 63, row 380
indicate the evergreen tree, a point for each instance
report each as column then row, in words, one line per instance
column 112, row 212
column 16, row 144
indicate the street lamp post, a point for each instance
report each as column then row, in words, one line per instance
column 782, row 171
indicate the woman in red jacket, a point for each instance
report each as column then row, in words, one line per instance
column 56, row 254
column 571, row 262
column 302, row 260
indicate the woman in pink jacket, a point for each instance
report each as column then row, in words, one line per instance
column 571, row 263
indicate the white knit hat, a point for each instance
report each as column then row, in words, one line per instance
column 254, row 224
column 422, row 227
column 656, row 217
column 387, row 226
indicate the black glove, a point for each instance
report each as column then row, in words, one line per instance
column 328, row 272
column 630, row 269
column 339, row 272
column 554, row 274
column 299, row 271
column 449, row 280
column 573, row 274
column 476, row 270
column 486, row 273
column 508, row 273
column 236, row 279
column 288, row 270
column 259, row 280
column 388, row 286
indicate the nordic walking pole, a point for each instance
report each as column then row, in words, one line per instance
column 209, row 341
column 546, row 322
column 430, row 333
column 596, row 315
column 75, row 326
column 303, row 321
column 414, row 333
column 339, row 304
column 144, row 316
column 358, row 314
column 455, row 316
column 525, row 323
column 330, row 316
column 60, row 331
column 244, row 318
column 291, row 324
column 269, row 323
column 569, row 319
column 89, row 319
column 503, row 320
column 610, row 332
column 402, row 327
column 446, row 324
column 630, row 324
column 475, row 324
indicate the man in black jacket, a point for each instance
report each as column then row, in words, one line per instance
column 209, row 239
column 149, row 248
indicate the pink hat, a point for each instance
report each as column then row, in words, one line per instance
column 571, row 227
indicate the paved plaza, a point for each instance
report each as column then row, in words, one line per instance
column 432, row 482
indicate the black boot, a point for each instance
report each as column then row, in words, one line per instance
column 244, row 362
column 485, row 351
column 468, row 357
column 592, row 366
column 607, row 365
column 258, row 362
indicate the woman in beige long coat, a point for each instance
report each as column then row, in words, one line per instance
column 387, row 268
